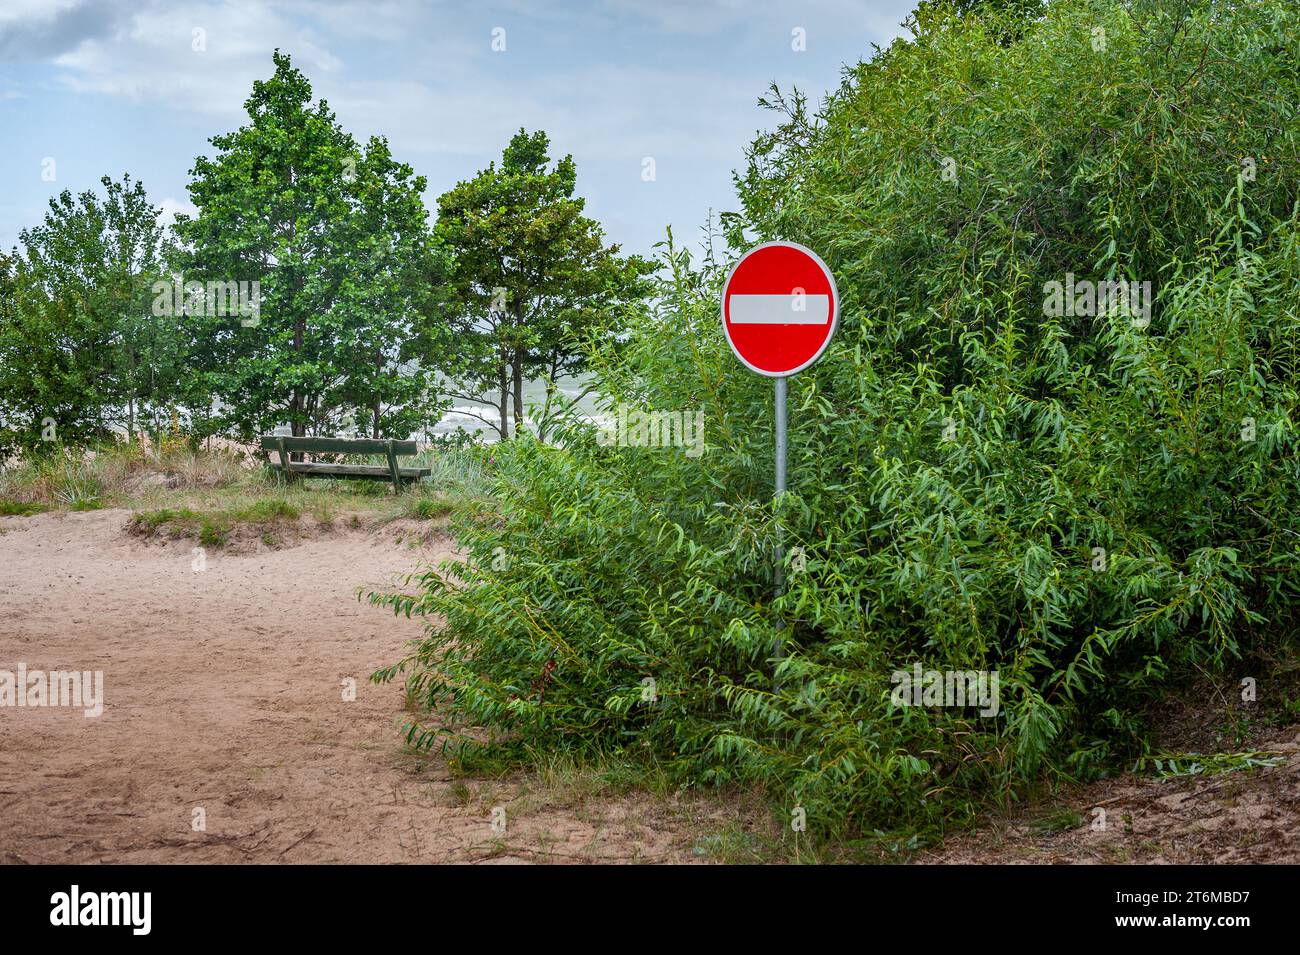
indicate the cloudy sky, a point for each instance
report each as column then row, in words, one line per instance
column 113, row 86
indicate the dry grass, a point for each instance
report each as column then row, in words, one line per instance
column 211, row 490
column 79, row 479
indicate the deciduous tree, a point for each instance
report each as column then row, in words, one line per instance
column 80, row 352
column 532, row 277
column 336, row 234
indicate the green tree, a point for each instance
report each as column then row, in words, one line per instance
column 79, row 347
column 1006, row 19
column 337, row 237
column 532, row 279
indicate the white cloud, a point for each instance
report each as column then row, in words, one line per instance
column 154, row 55
column 612, row 112
column 171, row 206
column 21, row 11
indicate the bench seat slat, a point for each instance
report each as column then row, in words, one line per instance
column 312, row 469
column 271, row 442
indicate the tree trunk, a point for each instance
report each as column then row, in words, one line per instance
column 544, row 426
column 379, row 364
column 517, row 369
column 503, row 377
column 130, row 404
column 298, row 425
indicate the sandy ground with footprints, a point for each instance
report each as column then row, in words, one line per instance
column 224, row 692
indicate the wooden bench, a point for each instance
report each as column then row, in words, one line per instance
column 285, row 445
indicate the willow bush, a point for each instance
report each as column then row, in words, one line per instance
column 1090, row 505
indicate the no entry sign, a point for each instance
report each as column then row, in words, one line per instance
column 779, row 308
column 779, row 311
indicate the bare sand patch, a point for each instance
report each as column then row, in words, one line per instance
column 224, row 693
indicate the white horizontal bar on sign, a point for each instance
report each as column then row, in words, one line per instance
column 779, row 309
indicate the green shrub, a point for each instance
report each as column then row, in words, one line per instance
column 1089, row 506
column 9, row 508
column 212, row 528
column 152, row 520
column 266, row 510
column 428, row 508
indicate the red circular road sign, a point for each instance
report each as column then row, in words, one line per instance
column 779, row 308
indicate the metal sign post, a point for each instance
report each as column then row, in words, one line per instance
column 782, row 446
column 780, row 308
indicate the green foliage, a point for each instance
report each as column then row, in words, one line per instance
column 458, row 471
column 957, row 455
column 1059, row 820
column 428, row 508
column 336, row 234
column 10, row 508
column 57, row 478
column 80, row 351
column 212, row 528
column 531, row 280
column 1006, row 19
column 1167, row 765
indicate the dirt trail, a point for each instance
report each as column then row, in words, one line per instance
column 223, row 693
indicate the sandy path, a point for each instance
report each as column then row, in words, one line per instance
column 223, row 693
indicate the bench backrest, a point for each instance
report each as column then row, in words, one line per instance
column 272, row 442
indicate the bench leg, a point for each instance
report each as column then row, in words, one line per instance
column 289, row 476
column 393, row 468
